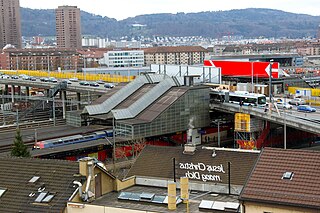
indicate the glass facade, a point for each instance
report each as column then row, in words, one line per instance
column 193, row 105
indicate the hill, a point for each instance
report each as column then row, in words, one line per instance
column 251, row 22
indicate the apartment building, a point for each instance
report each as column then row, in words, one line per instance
column 10, row 23
column 68, row 27
column 175, row 55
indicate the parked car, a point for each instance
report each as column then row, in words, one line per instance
column 14, row 77
column 53, row 80
column 100, row 82
column 25, row 77
column 297, row 101
column 282, row 105
column 108, row 85
column 74, row 79
column 306, row 108
column 31, row 78
column 84, row 83
column 94, row 84
column 66, row 81
column 44, row 79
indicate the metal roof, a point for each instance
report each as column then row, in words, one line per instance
column 122, row 94
column 147, row 99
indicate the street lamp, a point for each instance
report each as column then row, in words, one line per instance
column 48, row 61
column 270, row 81
column 29, row 60
column 114, row 141
column 252, row 77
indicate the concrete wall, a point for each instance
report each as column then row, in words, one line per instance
column 262, row 208
column 125, row 183
column 86, row 208
column 193, row 185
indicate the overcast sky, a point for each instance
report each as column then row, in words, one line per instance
column 121, row 9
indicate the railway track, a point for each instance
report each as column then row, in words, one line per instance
column 46, row 134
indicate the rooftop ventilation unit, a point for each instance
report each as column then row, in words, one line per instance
column 189, row 149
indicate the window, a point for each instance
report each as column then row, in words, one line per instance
column 287, row 175
column 2, row 191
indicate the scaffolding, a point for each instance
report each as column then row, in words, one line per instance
column 247, row 130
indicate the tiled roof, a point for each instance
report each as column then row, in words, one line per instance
column 156, row 161
column 56, row 175
column 266, row 184
column 178, row 49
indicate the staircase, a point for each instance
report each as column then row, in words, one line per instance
column 262, row 140
column 52, row 92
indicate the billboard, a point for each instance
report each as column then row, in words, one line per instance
column 245, row 68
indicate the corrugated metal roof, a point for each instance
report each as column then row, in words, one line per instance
column 122, row 94
column 146, row 100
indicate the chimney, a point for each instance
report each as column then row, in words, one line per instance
column 172, row 196
column 184, row 189
column 83, row 166
column 86, row 168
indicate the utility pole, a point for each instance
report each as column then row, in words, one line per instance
column 114, row 143
column 285, row 126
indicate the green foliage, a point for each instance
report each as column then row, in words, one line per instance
column 19, row 149
column 245, row 22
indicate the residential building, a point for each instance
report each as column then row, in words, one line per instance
column 36, row 185
column 190, row 55
column 283, row 181
column 124, row 58
column 50, row 59
column 215, row 179
column 93, row 42
column 68, row 27
column 10, row 23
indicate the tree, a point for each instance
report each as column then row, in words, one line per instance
column 19, row 149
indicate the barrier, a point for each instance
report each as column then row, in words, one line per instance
column 67, row 75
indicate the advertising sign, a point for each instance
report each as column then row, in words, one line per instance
column 245, row 68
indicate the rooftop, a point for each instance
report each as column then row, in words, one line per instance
column 195, row 198
column 36, row 185
column 156, row 162
column 285, row 177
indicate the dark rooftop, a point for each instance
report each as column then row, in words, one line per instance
column 55, row 178
column 111, row 200
column 155, row 161
column 285, row 177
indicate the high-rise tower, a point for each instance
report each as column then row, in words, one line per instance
column 68, row 27
column 318, row 33
column 10, row 28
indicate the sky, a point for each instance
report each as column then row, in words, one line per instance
column 121, row 9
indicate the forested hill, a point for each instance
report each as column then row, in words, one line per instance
column 244, row 22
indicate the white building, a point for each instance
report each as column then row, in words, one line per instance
column 94, row 42
column 124, row 58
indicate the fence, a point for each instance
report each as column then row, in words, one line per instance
column 67, row 75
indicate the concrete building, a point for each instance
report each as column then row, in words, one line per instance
column 175, row 55
column 68, row 27
column 10, row 23
column 124, row 58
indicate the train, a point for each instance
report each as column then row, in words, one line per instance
column 73, row 139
